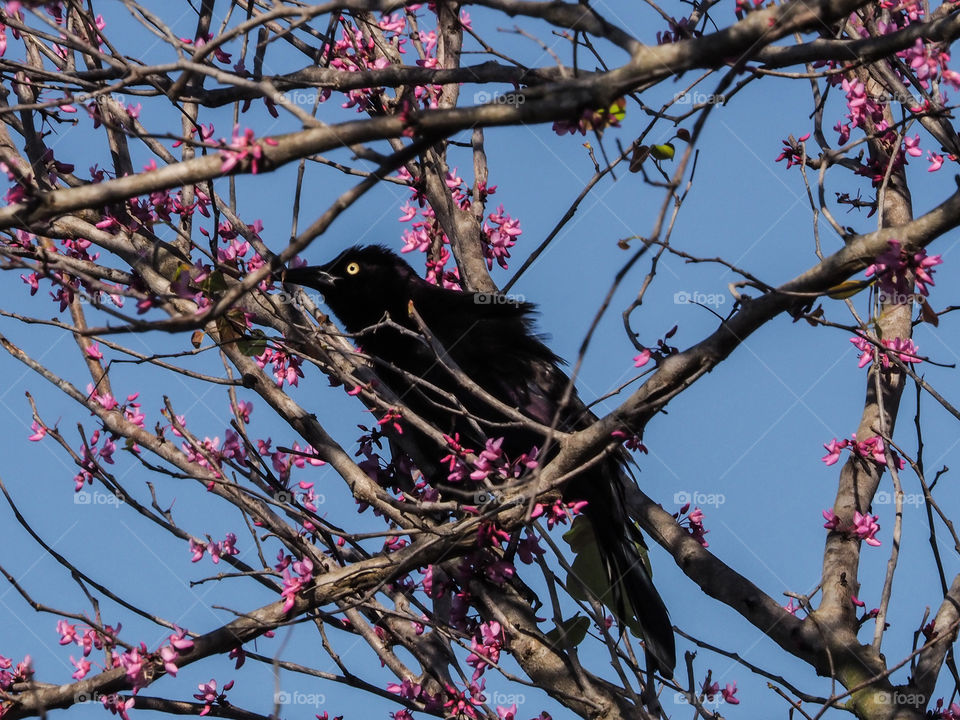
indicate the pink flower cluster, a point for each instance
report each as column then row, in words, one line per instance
column 631, row 441
column 133, row 660
column 792, row 151
column 296, row 575
column 873, row 448
column 242, row 146
column 864, row 527
column 693, row 523
column 903, row 350
column 947, row 713
column 209, row 695
column 485, row 648
column 500, row 230
column 23, row 672
column 728, row 692
column 491, row 464
column 895, row 267
column 216, row 550
column 286, row 367
column 559, row 512
column 930, row 63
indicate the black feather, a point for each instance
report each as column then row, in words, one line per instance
column 492, row 340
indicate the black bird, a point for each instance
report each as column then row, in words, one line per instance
column 492, row 341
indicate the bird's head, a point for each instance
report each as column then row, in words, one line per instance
column 360, row 285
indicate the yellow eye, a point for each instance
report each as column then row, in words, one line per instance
column 353, row 268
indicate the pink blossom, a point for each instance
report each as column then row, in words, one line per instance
column 693, row 523
column 529, row 548
column 499, row 571
column 38, row 432
column 866, row 527
column 792, row 151
column 559, row 512
column 832, row 521
column 485, row 649
column 500, row 237
column 83, row 667
column 242, row 146
column 409, row 212
column 453, row 180
column 911, row 146
column 132, row 662
column 169, row 657
column 867, row 354
column 117, row 705
column 407, row 689
column 834, row 449
column 197, row 549
column 292, row 585
column 209, row 696
column 33, row 280
column 68, row 632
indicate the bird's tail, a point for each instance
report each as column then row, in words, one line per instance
column 634, row 599
column 611, row 560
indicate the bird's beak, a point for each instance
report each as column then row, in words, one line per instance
column 313, row 277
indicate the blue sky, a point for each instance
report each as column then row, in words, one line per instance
column 747, row 437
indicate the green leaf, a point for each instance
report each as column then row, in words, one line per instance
column 254, row 344
column 214, row 284
column 619, row 109
column 848, row 288
column 570, row 632
column 580, row 534
column 588, row 579
column 663, row 152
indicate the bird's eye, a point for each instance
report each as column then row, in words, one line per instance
column 353, row 268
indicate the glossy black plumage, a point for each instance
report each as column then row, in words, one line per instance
column 491, row 340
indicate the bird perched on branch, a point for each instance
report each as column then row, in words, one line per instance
column 466, row 363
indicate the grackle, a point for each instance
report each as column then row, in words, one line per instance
column 490, row 339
